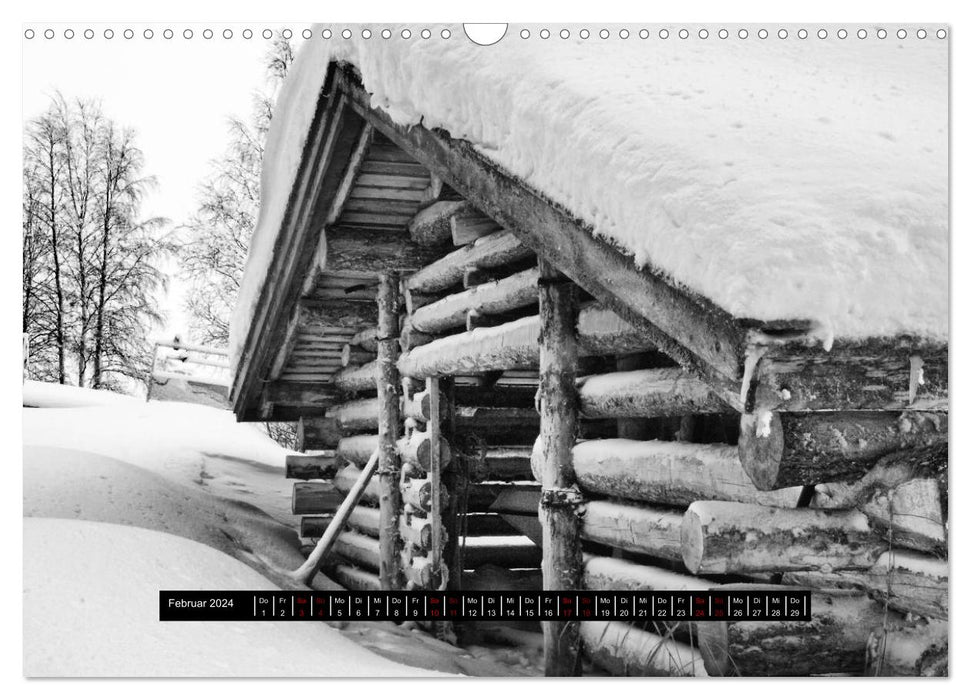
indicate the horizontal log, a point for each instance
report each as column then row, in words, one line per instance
column 366, row 339
column 355, row 416
column 494, row 250
column 416, row 449
column 369, row 250
column 416, row 530
column 646, row 393
column 314, row 525
column 418, row 494
column 906, row 581
column 627, row 651
column 513, row 292
column 312, row 466
column 354, row 579
column 508, row 552
column 432, row 225
column 358, row 549
column 719, row 537
column 345, row 479
column 354, row 380
column 351, row 355
column 317, row 434
column 834, row 641
column 366, row 520
column 314, row 498
column 357, row 449
column 315, row 319
column 795, row 449
column 910, row 648
column 501, row 464
column 878, row 374
column 634, row 528
column 514, row 345
column 298, row 394
column 672, row 473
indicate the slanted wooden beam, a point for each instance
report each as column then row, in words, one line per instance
column 495, row 250
column 513, row 292
column 560, row 501
column 796, row 449
column 389, row 426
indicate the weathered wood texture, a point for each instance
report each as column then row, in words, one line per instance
column 878, row 374
column 314, row 466
column 470, row 225
column 366, row 339
column 417, row 449
column 366, row 250
column 834, row 641
column 672, row 473
column 432, row 225
column 905, row 581
column 513, row 555
column 317, row 434
column 345, row 479
column 495, row 250
column 513, row 292
column 634, row 528
column 314, row 525
column 796, row 449
column 515, row 345
column 356, row 449
column 501, row 464
column 613, row 574
column 647, row 393
column 354, row 380
column 355, row 416
column 905, row 496
column 352, row 355
column 389, row 429
column 314, row 498
column 354, row 579
column 560, row 500
column 359, row 549
column 366, row 520
column 916, row 648
column 719, row 537
column 627, row 651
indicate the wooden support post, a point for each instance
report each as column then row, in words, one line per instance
column 389, row 425
column 435, row 474
column 560, row 499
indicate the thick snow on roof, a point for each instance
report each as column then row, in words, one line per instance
column 783, row 179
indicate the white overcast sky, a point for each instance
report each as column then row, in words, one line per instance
column 176, row 93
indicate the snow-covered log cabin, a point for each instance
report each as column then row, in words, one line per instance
column 620, row 314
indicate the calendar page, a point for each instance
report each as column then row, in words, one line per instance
column 545, row 349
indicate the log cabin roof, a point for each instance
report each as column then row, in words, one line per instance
column 361, row 176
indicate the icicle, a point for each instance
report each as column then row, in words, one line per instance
column 916, row 376
column 753, row 354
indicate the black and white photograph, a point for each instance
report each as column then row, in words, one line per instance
column 426, row 350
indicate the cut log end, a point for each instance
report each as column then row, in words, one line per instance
column 760, row 449
column 692, row 541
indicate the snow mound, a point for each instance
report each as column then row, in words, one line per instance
column 49, row 395
column 783, row 180
column 102, row 620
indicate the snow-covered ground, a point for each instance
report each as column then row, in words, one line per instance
column 781, row 178
column 122, row 498
column 91, row 609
